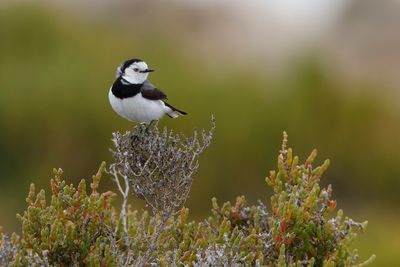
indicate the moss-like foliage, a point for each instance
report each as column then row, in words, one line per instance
column 77, row 228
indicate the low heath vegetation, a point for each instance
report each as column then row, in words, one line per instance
column 80, row 226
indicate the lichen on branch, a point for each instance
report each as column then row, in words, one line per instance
column 159, row 165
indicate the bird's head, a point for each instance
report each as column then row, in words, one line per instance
column 134, row 71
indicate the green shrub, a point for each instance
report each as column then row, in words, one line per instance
column 81, row 229
column 73, row 228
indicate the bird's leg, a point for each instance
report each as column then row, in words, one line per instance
column 149, row 125
column 136, row 135
column 143, row 127
column 134, row 139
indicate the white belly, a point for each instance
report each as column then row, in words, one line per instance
column 137, row 108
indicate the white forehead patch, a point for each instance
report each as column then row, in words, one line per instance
column 141, row 65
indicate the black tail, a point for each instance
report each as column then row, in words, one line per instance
column 174, row 111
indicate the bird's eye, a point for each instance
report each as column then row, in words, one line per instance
column 135, row 69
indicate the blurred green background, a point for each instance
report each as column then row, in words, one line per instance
column 326, row 73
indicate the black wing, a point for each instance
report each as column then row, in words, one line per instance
column 150, row 92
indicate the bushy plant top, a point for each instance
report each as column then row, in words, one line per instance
column 81, row 227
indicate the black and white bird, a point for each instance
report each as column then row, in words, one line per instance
column 134, row 98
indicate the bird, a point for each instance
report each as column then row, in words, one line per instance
column 134, row 98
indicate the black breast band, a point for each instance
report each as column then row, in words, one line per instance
column 122, row 91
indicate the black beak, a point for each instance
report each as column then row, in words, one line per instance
column 148, row 70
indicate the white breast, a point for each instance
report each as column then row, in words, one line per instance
column 137, row 108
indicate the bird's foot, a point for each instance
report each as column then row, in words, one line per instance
column 134, row 139
column 150, row 125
